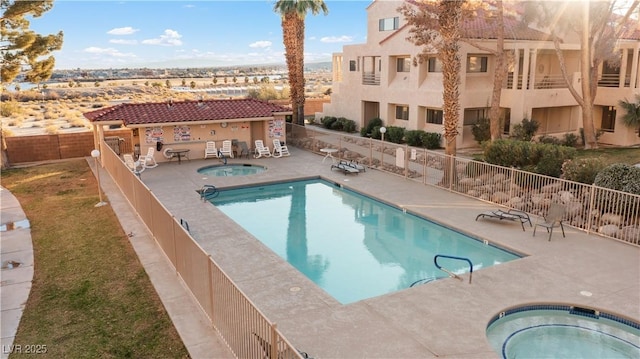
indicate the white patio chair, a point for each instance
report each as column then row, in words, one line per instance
column 261, row 150
column 136, row 167
column 227, row 148
column 279, row 149
column 210, row 150
column 148, row 160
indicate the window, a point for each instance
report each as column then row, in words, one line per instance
column 403, row 64
column 388, row 24
column 473, row 115
column 435, row 65
column 434, row 116
column 352, row 65
column 477, row 64
column 608, row 119
column 402, row 113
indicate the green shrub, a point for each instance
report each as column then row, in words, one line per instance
column 551, row 158
column 431, row 140
column 395, row 134
column 414, row 138
column 570, row 140
column 367, row 131
column 348, row 125
column 583, row 170
column 337, row 124
column 621, row 177
column 526, row 130
column 549, row 140
column 328, row 121
column 540, row 158
column 482, row 130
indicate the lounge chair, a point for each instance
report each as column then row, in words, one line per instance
column 510, row 215
column 345, row 167
column 210, row 150
column 261, row 150
column 136, row 167
column 148, row 160
column 279, row 149
column 227, row 149
column 357, row 165
column 552, row 219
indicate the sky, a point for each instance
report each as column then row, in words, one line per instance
column 102, row 34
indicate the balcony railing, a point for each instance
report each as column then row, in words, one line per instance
column 612, row 80
column 371, row 78
column 545, row 82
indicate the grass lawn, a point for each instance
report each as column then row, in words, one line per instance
column 91, row 297
column 612, row 155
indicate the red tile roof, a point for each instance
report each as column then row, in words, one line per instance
column 186, row 111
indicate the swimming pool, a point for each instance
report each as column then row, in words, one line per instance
column 241, row 169
column 562, row 331
column 352, row 246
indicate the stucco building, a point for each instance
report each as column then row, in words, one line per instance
column 378, row 79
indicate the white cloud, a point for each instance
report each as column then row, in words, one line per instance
column 127, row 30
column 190, row 6
column 260, row 44
column 108, row 51
column 334, row 39
column 123, row 42
column 169, row 38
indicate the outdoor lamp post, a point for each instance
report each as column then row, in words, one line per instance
column 383, row 130
column 95, row 154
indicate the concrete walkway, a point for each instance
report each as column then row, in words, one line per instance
column 16, row 256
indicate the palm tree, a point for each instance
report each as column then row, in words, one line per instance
column 293, row 13
column 631, row 118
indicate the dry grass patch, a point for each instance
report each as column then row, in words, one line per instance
column 91, row 297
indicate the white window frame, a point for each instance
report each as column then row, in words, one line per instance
column 389, row 24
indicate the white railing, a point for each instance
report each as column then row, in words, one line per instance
column 593, row 209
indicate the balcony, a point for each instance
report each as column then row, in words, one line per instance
column 612, row 80
column 544, row 82
column 371, row 78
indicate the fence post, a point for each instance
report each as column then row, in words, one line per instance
column 370, row 151
column 273, row 353
column 453, row 173
column 590, row 210
column 424, row 167
column 406, row 161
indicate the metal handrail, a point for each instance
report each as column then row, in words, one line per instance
column 435, row 261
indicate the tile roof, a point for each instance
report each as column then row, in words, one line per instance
column 185, row 111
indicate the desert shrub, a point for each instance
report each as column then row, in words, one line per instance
column 431, row 140
column 583, row 170
column 526, row 130
column 540, row 158
column 549, row 140
column 348, row 125
column 368, row 129
column 551, row 158
column 570, row 139
column 395, row 134
column 51, row 129
column 9, row 108
column 327, row 121
column 621, row 177
column 482, row 130
column 414, row 137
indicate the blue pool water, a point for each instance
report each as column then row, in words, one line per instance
column 560, row 331
column 352, row 246
column 231, row 170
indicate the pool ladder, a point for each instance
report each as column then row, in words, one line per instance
column 208, row 191
column 451, row 274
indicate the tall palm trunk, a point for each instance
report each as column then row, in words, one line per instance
column 500, row 73
column 300, row 82
column 449, row 21
column 290, row 39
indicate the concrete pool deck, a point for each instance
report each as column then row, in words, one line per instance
column 446, row 318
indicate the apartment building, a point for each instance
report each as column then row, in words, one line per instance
column 379, row 79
